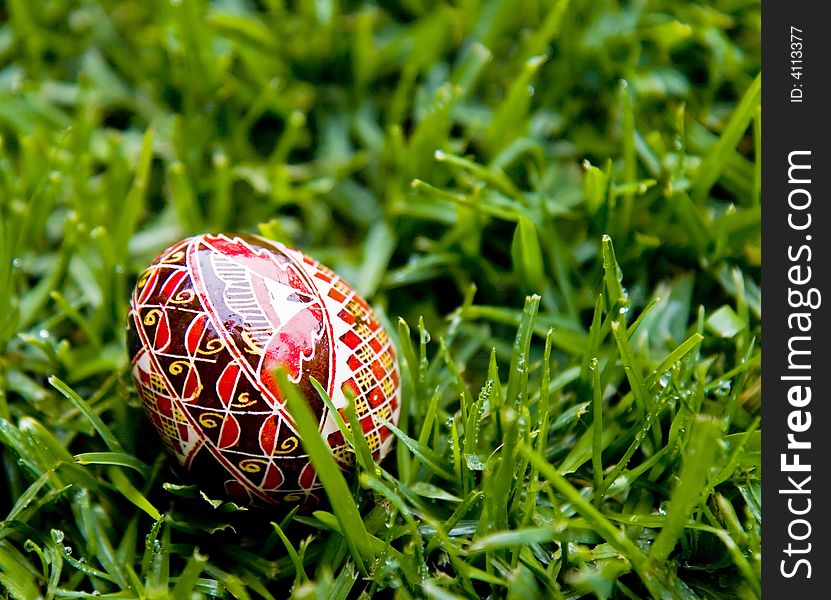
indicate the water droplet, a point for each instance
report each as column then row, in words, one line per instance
column 119, row 268
column 724, row 387
column 43, row 334
column 665, row 379
column 623, row 310
column 474, row 463
column 17, row 263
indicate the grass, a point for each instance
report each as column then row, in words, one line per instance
column 555, row 208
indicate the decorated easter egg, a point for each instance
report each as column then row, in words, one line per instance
column 210, row 321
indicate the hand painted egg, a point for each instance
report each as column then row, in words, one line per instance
column 211, row 319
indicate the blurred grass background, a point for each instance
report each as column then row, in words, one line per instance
column 449, row 159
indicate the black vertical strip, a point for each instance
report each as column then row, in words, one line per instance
column 796, row 251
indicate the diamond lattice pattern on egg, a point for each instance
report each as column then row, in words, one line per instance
column 210, row 320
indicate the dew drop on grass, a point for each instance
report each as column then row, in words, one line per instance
column 17, row 263
column 455, row 321
column 665, row 379
column 723, row 388
column 43, row 334
column 474, row 463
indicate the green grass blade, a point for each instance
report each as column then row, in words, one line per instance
column 516, row 390
column 703, row 444
column 112, row 458
column 601, row 525
column 630, row 365
column 714, row 162
column 299, row 571
column 123, row 485
column 183, row 589
column 343, row 504
column 109, row 439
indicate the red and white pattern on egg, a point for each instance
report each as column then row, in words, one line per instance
column 211, row 319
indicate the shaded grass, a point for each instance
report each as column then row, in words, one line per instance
column 554, row 204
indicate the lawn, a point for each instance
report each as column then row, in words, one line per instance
column 553, row 206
